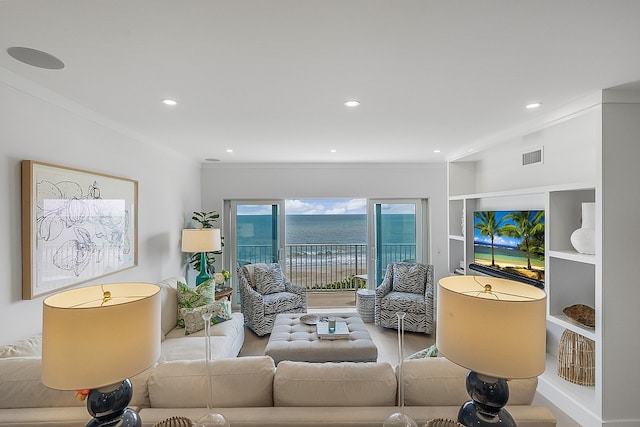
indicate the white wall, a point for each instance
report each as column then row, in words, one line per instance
column 569, row 156
column 33, row 127
column 286, row 181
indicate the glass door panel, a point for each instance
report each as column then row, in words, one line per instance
column 256, row 234
column 395, row 227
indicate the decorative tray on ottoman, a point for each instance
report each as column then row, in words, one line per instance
column 309, row 319
column 341, row 332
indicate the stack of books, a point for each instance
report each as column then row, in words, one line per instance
column 341, row 332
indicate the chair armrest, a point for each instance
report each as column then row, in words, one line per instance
column 384, row 288
column 428, row 289
column 248, row 293
column 294, row 288
column 298, row 290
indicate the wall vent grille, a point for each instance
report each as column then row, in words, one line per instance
column 532, row 157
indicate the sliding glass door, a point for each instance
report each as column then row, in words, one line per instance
column 333, row 244
column 257, row 234
column 395, row 234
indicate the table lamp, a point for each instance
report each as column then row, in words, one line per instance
column 201, row 240
column 496, row 328
column 95, row 338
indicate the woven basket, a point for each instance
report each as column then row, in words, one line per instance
column 576, row 359
column 442, row 422
column 176, row 422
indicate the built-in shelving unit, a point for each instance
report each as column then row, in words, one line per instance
column 602, row 140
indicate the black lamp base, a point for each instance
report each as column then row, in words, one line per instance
column 108, row 406
column 488, row 395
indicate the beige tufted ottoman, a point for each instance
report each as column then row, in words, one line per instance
column 293, row 340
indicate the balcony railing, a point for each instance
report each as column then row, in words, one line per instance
column 325, row 266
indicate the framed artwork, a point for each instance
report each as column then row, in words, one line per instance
column 76, row 226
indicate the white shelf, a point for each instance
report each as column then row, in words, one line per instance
column 524, row 191
column 573, row 256
column 565, row 322
column 577, row 401
column 454, row 237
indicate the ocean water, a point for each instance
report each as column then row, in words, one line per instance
column 346, row 235
column 326, row 229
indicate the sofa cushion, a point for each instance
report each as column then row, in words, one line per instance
column 409, row 277
column 188, row 297
column 21, row 387
column 237, row 382
column 28, row 347
column 169, row 303
column 334, row 384
column 436, row 381
column 269, row 279
column 404, row 301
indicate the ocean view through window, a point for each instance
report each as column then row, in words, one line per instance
column 325, row 240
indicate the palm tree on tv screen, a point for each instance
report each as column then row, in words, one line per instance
column 487, row 225
column 529, row 228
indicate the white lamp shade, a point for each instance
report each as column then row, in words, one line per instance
column 501, row 333
column 201, row 240
column 88, row 342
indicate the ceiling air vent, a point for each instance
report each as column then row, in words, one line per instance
column 532, row 157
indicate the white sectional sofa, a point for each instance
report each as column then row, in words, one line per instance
column 251, row 391
column 25, row 401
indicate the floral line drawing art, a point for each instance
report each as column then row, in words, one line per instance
column 81, row 226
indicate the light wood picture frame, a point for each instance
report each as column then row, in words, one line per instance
column 77, row 226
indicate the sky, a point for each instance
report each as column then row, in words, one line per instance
column 323, row 207
column 498, row 240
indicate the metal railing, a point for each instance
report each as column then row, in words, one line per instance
column 325, row 266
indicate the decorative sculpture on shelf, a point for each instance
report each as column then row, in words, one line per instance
column 584, row 238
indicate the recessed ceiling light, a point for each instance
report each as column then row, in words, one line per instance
column 229, row 150
column 171, row 102
column 533, row 105
column 436, row 151
column 351, row 103
column 333, row 150
column 36, row 58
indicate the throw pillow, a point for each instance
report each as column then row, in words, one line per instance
column 193, row 322
column 188, row 297
column 28, row 347
column 409, row 277
column 269, row 279
column 431, row 351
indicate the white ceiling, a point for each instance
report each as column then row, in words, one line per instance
column 268, row 78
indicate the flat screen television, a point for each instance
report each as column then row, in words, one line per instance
column 510, row 244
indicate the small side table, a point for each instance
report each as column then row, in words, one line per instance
column 224, row 292
column 356, row 282
column 366, row 304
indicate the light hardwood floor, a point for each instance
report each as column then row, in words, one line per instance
column 385, row 339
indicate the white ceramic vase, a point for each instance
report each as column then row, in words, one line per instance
column 584, row 238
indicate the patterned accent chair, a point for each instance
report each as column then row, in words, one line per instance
column 264, row 293
column 408, row 287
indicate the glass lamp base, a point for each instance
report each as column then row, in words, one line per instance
column 399, row 420
column 488, row 395
column 213, row 420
